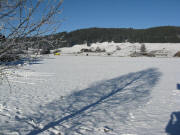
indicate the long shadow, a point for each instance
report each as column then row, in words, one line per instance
column 106, row 101
column 173, row 126
column 134, row 87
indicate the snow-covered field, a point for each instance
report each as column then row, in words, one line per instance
column 92, row 95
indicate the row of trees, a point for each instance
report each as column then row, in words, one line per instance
column 92, row 35
column 152, row 35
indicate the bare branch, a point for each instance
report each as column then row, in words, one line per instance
column 20, row 19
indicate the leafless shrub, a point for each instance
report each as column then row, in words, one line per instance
column 24, row 22
column 118, row 48
column 20, row 19
column 98, row 49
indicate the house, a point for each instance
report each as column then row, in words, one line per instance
column 160, row 53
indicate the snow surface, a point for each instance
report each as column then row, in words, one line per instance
column 126, row 49
column 92, row 95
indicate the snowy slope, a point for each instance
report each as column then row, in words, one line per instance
column 91, row 95
column 125, row 48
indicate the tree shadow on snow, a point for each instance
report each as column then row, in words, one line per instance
column 105, row 102
column 173, row 126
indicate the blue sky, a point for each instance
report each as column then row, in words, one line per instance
column 119, row 13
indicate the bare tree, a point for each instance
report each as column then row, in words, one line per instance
column 20, row 19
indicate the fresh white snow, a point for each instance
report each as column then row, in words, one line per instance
column 126, row 49
column 87, row 95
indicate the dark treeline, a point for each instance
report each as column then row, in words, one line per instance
column 164, row 34
column 152, row 35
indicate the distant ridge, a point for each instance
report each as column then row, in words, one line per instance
column 162, row 34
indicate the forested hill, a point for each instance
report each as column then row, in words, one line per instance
column 163, row 34
column 166, row 34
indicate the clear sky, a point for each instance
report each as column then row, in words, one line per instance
column 119, row 13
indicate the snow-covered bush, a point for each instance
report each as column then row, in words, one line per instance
column 109, row 53
column 98, row 49
column 136, row 54
column 118, row 48
column 86, row 50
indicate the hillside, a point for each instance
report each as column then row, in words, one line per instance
column 166, row 34
column 123, row 49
